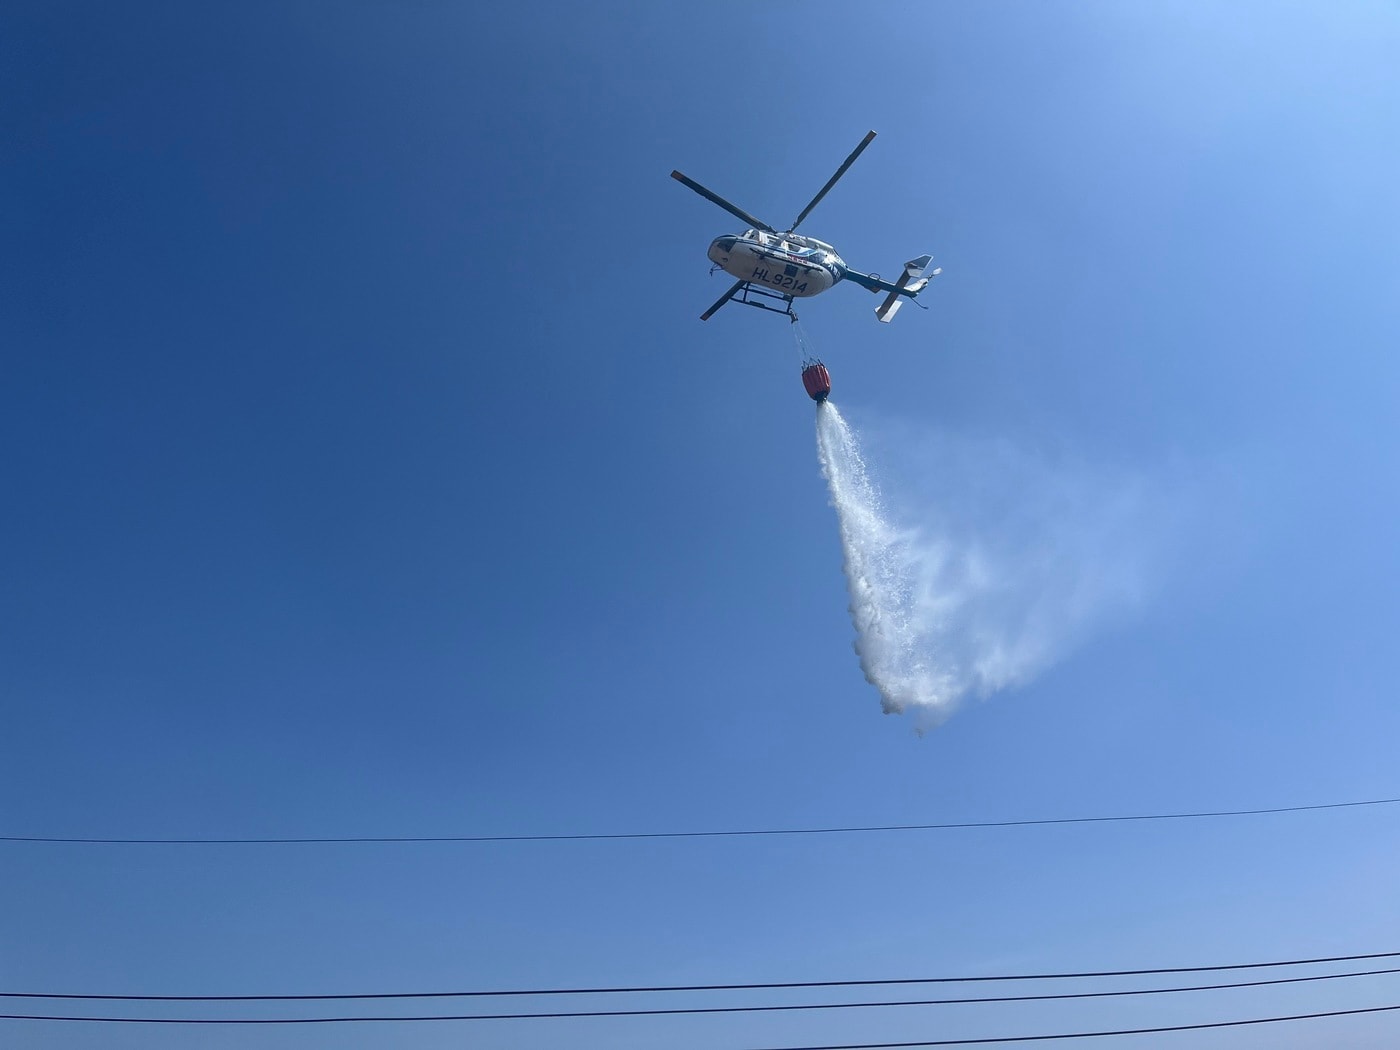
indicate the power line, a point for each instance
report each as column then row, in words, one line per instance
column 634, row 835
column 767, row 986
column 1091, row 1035
column 674, row 1011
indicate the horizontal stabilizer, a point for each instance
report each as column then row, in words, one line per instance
column 886, row 310
column 915, row 267
column 910, row 284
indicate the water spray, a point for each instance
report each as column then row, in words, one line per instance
column 1011, row 563
column 880, row 580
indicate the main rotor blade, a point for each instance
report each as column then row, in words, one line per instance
column 832, row 181
column 722, row 300
column 715, row 198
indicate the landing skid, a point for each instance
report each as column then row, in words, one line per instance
column 752, row 295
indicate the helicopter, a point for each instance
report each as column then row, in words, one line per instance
column 775, row 267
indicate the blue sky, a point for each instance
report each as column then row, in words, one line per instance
column 370, row 473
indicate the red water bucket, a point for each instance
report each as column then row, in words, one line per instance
column 817, row 381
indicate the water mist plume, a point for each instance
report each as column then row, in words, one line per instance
column 1007, row 567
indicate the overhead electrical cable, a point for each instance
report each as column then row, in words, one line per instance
column 635, row 835
column 765, row 986
column 1089, row 1035
column 673, row 1011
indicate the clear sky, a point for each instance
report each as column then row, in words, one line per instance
column 368, row 472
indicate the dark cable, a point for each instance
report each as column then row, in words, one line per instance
column 698, row 987
column 1091, row 1035
column 673, row 1011
column 614, row 836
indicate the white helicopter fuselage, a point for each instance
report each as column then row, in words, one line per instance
column 791, row 264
